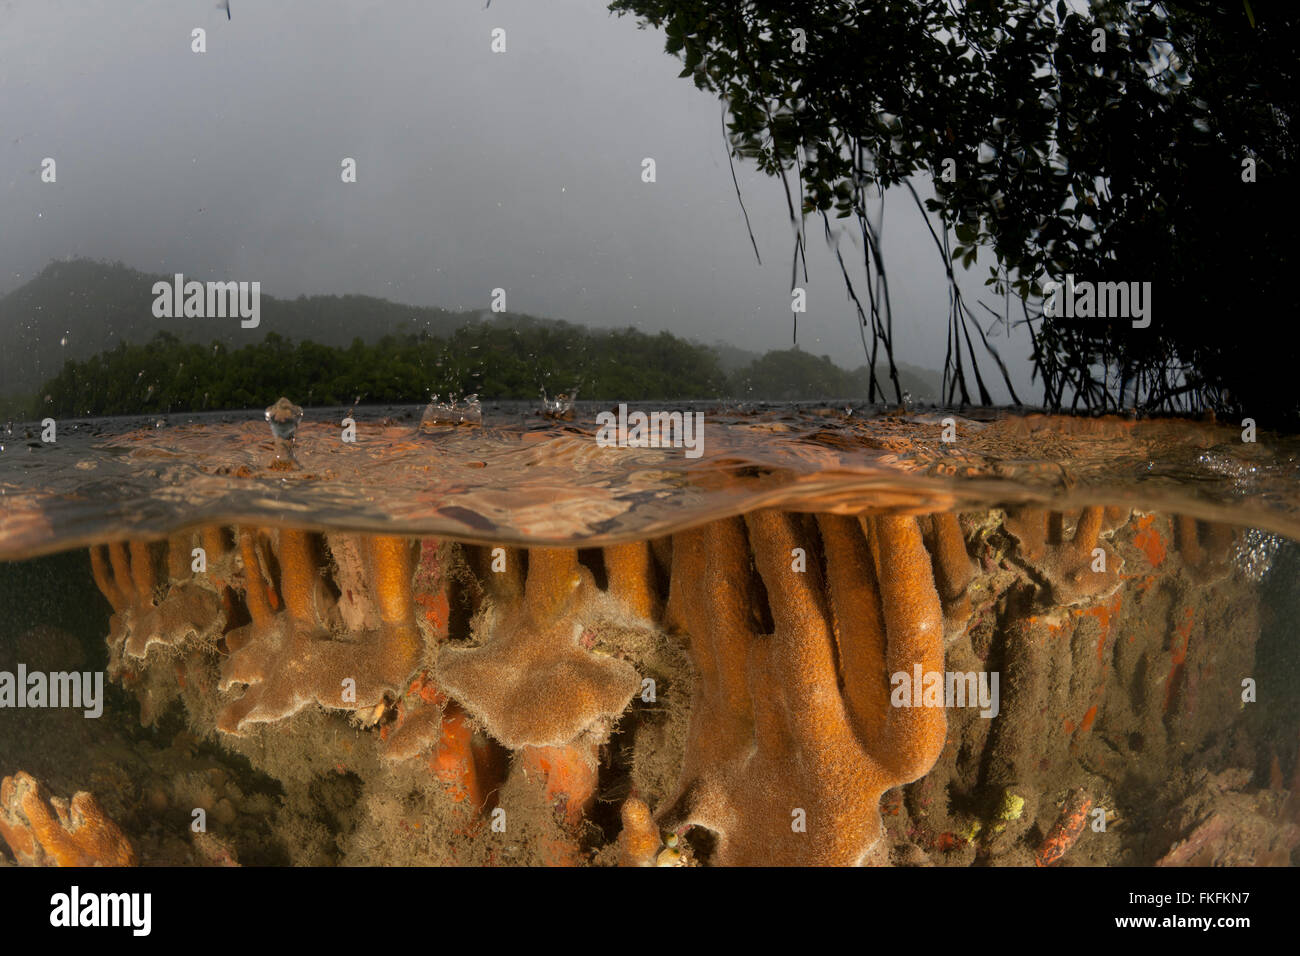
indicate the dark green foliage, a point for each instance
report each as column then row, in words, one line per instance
column 795, row 375
column 1122, row 164
column 76, row 308
column 516, row 362
column 501, row 357
column 512, row 362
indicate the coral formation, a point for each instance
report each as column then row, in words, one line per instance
column 148, row 612
column 561, row 781
column 639, row 842
column 568, row 776
column 292, row 656
column 565, row 706
column 417, row 721
column 42, row 830
column 1067, row 829
column 532, row 682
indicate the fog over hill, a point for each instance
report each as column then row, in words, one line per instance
column 78, row 308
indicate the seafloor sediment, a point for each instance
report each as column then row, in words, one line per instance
column 725, row 695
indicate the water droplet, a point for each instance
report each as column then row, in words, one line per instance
column 283, row 418
column 559, row 408
column 465, row 411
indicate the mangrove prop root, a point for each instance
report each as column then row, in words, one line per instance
column 1079, row 570
column 532, row 682
column 794, row 626
column 291, row 658
column 797, row 775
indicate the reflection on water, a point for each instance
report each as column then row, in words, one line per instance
column 525, row 478
column 832, row 639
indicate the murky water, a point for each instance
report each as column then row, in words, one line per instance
column 806, row 635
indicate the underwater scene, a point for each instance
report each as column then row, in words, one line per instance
column 832, row 638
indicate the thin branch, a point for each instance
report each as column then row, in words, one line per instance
column 736, row 182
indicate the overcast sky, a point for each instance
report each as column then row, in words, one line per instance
column 476, row 170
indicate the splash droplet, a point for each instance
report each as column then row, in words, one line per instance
column 561, row 407
column 465, row 411
column 284, row 417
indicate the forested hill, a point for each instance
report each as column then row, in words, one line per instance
column 75, row 309
column 81, row 340
column 168, row 375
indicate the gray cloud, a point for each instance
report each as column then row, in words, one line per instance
column 476, row 170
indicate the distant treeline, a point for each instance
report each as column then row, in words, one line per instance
column 169, row 375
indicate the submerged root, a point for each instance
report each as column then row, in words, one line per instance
column 1205, row 547
column 149, row 612
column 532, row 682
column 1076, row 571
column 953, row 569
column 781, row 763
column 331, row 622
column 294, row 653
column 737, row 678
